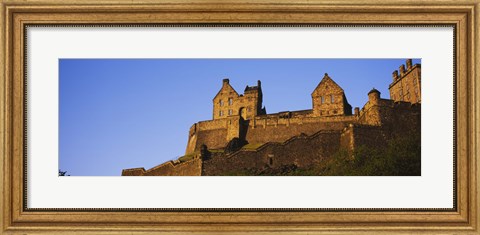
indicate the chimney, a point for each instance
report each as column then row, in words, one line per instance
column 259, row 83
column 226, row 81
column 402, row 70
column 356, row 111
column 395, row 75
column 409, row 64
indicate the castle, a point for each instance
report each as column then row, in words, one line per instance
column 241, row 135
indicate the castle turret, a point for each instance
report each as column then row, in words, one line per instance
column 374, row 96
column 371, row 114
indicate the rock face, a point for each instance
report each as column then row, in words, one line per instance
column 243, row 140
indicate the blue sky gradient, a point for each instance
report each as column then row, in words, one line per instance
column 126, row 113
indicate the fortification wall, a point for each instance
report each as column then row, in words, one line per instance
column 394, row 117
column 380, row 123
column 401, row 118
column 133, row 171
column 214, row 139
column 279, row 130
column 189, row 168
column 369, row 136
column 301, row 117
column 390, row 114
column 266, row 128
column 212, row 125
column 213, row 133
column 300, row 151
column 170, row 168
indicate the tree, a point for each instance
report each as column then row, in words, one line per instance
column 62, row 173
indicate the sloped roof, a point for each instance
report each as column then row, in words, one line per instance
column 374, row 90
column 327, row 80
column 225, row 86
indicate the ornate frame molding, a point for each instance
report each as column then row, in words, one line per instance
column 16, row 15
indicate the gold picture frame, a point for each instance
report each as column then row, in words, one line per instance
column 16, row 15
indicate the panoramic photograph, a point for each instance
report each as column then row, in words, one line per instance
column 240, row 117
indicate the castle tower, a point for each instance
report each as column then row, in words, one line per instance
column 329, row 99
column 250, row 104
column 372, row 115
column 228, row 103
column 406, row 85
column 224, row 101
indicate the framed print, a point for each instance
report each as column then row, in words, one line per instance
column 244, row 117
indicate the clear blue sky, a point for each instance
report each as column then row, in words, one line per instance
column 126, row 113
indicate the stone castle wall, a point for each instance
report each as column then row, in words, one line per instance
column 369, row 136
column 280, row 127
column 170, row 168
column 214, row 139
column 304, row 150
column 282, row 132
column 384, row 121
column 212, row 133
column 262, row 129
column 300, row 151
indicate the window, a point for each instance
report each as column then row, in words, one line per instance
column 220, row 113
column 322, row 99
column 270, row 159
column 331, row 99
column 221, row 103
column 230, row 101
column 229, row 112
